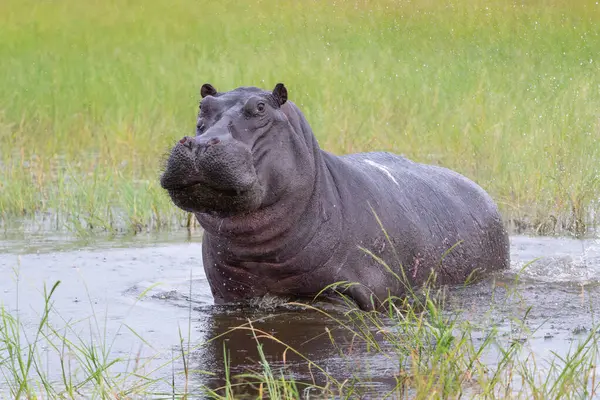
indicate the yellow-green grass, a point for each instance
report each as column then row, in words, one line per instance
column 93, row 94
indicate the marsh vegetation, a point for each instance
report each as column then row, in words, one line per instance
column 93, row 94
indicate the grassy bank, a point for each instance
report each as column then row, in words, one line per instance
column 94, row 94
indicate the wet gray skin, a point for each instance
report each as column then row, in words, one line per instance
column 108, row 277
column 283, row 217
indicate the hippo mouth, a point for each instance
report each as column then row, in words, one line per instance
column 192, row 186
column 202, row 196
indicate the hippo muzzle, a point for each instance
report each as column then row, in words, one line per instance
column 212, row 173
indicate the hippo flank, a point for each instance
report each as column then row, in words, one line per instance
column 283, row 217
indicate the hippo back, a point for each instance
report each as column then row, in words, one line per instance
column 432, row 215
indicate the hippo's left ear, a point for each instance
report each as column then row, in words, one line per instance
column 280, row 94
column 207, row 90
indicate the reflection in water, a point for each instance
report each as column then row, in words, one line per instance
column 315, row 336
column 546, row 319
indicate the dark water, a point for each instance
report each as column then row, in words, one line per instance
column 155, row 286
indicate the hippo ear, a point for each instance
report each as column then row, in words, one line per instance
column 207, row 90
column 280, row 94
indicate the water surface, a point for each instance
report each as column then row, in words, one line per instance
column 155, row 286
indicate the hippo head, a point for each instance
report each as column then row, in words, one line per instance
column 245, row 155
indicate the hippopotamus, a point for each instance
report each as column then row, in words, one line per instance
column 283, row 217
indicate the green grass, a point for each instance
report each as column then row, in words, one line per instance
column 94, row 94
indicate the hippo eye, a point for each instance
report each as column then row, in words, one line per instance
column 260, row 107
column 200, row 127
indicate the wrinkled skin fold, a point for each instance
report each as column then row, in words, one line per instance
column 283, row 217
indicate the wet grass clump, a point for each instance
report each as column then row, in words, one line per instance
column 95, row 93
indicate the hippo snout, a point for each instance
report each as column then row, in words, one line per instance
column 198, row 144
column 220, row 166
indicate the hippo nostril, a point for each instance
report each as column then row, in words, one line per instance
column 187, row 142
column 202, row 145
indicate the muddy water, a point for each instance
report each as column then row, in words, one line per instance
column 155, row 286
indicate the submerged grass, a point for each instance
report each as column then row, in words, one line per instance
column 94, row 93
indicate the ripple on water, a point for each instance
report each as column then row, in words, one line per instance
column 547, row 259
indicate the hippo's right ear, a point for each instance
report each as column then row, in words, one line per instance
column 207, row 90
column 280, row 94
